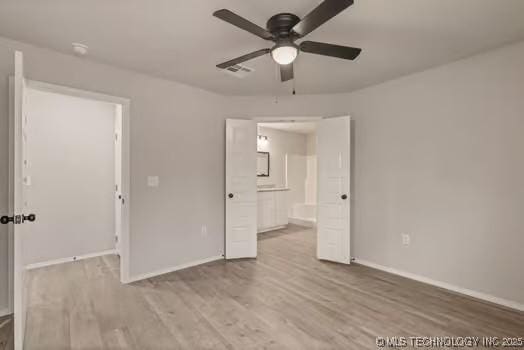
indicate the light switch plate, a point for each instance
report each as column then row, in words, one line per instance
column 153, row 181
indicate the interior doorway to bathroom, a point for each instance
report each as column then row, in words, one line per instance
column 286, row 175
column 286, row 189
column 269, row 189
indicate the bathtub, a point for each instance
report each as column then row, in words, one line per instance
column 304, row 214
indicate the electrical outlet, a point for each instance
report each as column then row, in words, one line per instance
column 406, row 240
column 203, row 231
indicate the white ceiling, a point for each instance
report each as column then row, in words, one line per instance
column 182, row 41
column 296, row 127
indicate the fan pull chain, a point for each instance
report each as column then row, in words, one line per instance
column 295, row 76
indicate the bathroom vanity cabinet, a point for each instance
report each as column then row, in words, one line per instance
column 272, row 209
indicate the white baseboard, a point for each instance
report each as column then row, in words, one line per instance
column 471, row 293
column 172, row 269
column 272, row 229
column 70, row 259
column 5, row 312
column 302, row 222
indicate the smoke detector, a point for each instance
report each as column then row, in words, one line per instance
column 80, row 49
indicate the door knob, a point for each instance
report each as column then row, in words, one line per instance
column 344, row 196
column 230, row 195
column 15, row 219
column 30, row 218
column 4, row 220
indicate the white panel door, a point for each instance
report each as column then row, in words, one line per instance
column 19, row 180
column 241, row 189
column 118, row 177
column 333, row 225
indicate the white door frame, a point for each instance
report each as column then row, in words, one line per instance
column 288, row 119
column 125, row 139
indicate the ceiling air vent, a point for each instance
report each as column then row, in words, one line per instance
column 239, row 71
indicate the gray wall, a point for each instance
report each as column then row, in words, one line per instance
column 437, row 154
column 70, row 148
column 177, row 133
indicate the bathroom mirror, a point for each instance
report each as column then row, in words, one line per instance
column 263, row 164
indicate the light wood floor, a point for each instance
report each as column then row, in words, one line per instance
column 285, row 299
column 6, row 333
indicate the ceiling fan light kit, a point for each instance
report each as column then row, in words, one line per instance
column 284, row 29
column 284, row 53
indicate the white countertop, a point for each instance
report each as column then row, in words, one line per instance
column 271, row 189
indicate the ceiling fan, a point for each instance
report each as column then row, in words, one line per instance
column 284, row 29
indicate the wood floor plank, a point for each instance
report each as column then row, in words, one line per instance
column 118, row 339
column 6, row 333
column 285, row 299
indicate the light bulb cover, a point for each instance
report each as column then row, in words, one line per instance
column 284, row 53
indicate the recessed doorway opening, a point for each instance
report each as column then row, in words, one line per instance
column 69, row 181
column 273, row 180
column 286, row 178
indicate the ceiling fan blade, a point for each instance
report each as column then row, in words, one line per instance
column 320, row 15
column 244, row 58
column 286, row 72
column 345, row 52
column 242, row 23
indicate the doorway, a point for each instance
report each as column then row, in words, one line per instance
column 287, row 155
column 265, row 191
column 72, row 177
column 286, row 179
column 24, row 177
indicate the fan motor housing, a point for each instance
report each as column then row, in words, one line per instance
column 280, row 25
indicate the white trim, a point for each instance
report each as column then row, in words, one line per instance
column 66, row 90
column 11, row 191
column 70, row 259
column 5, row 312
column 302, row 222
column 272, row 228
column 468, row 292
column 173, row 269
column 284, row 119
column 125, row 139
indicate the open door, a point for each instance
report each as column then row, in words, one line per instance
column 19, row 182
column 333, row 222
column 118, row 178
column 241, row 189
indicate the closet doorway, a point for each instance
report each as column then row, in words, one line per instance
column 63, row 164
